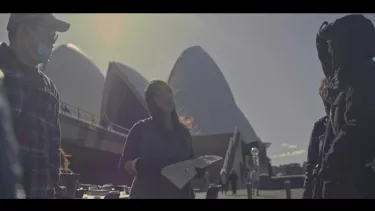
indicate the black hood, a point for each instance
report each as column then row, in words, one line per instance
column 351, row 39
column 323, row 54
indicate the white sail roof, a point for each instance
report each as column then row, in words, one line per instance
column 123, row 99
column 202, row 92
column 131, row 77
column 79, row 81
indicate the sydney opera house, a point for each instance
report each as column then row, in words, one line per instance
column 97, row 111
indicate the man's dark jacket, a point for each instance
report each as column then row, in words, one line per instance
column 313, row 155
column 34, row 103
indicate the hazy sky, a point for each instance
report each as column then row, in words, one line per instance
column 269, row 61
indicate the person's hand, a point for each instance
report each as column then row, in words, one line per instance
column 130, row 167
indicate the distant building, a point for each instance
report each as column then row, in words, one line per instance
column 289, row 169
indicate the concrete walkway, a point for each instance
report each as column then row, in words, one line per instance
column 266, row 194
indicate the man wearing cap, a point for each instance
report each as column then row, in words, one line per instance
column 33, row 98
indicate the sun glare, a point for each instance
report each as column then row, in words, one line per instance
column 109, row 27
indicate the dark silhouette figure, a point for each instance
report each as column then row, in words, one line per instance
column 233, row 178
column 346, row 48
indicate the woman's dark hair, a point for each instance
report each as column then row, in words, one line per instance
column 324, row 94
column 156, row 114
column 323, row 89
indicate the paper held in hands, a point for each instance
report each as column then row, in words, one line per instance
column 182, row 172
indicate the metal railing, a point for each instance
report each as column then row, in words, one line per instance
column 91, row 119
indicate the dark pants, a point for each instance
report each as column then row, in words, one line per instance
column 255, row 185
column 224, row 189
column 333, row 190
column 234, row 188
column 250, row 190
column 360, row 185
column 212, row 192
column 365, row 184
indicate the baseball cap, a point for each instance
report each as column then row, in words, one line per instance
column 45, row 19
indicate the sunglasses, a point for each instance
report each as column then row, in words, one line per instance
column 44, row 31
column 49, row 33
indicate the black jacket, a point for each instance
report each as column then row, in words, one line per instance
column 313, row 154
column 353, row 123
column 156, row 148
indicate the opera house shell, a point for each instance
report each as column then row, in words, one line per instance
column 124, row 95
column 78, row 80
column 201, row 92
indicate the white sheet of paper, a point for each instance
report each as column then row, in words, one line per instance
column 182, row 172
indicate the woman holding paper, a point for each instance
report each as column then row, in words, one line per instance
column 155, row 143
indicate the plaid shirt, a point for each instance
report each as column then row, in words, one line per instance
column 34, row 102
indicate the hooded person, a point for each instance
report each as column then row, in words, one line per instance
column 156, row 142
column 348, row 44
